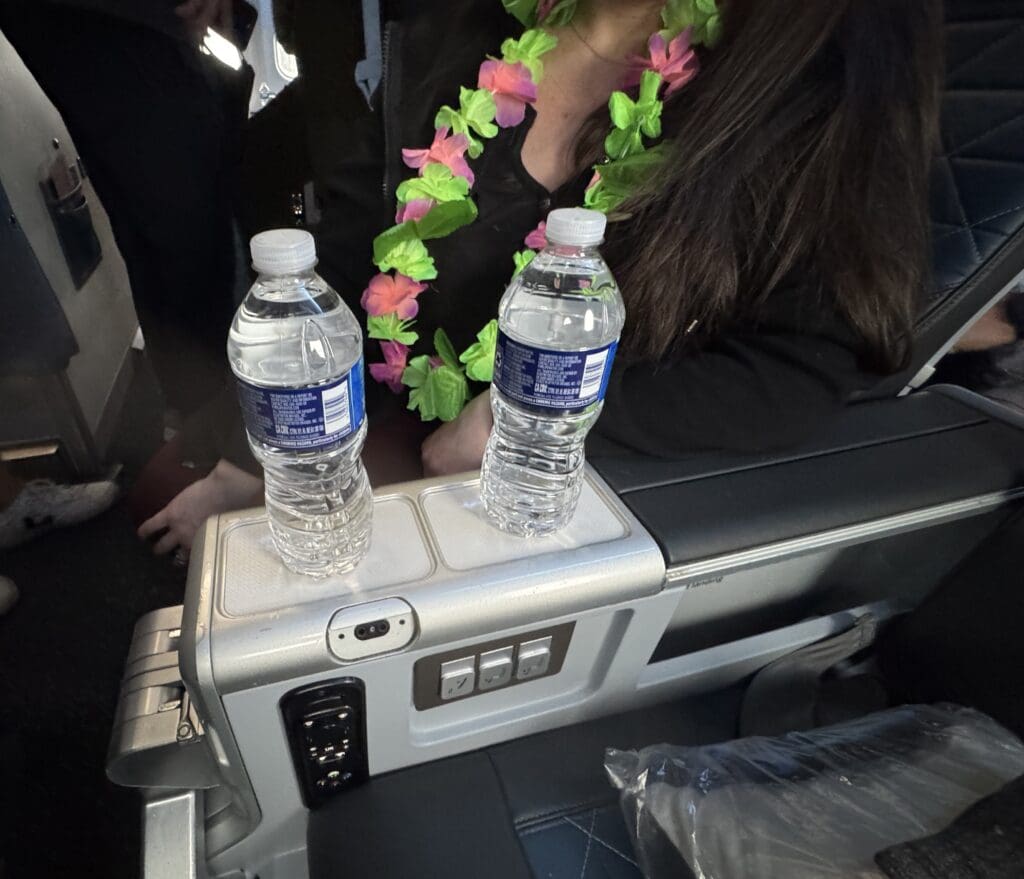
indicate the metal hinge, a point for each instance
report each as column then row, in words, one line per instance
column 189, row 725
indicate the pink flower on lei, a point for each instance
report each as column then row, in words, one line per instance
column 544, row 8
column 445, row 150
column 675, row 62
column 513, row 88
column 537, row 240
column 416, row 209
column 396, row 357
column 392, row 295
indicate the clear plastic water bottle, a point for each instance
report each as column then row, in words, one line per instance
column 558, row 327
column 297, row 352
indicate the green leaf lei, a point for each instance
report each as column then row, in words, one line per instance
column 437, row 202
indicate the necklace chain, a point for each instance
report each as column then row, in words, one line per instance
column 617, row 62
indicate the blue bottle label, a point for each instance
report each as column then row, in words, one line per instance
column 562, row 380
column 304, row 418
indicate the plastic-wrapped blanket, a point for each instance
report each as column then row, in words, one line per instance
column 815, row 805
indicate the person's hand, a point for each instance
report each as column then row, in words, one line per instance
column 225, row 488
column 198, row 15
column 992, row 330
column 459, row 445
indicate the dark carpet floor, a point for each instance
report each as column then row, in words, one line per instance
column 62, row 649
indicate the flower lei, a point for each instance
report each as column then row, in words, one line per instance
column 437, row 201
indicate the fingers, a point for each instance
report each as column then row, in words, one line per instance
column 188, row 9
column 201, row 14
column 161, row 522
column 153, row 524
column 427, row 460
column 226, row 19
column 218, row 15
column 190, row 12
column 205, row 18
column 432, row 453
column 168, row 542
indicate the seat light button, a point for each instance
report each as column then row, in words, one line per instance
column 495, row 668
column 534, row 659
column 458, row 677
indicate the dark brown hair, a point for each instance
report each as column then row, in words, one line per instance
column 799, row 154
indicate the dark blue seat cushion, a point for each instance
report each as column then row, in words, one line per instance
column 978, row 181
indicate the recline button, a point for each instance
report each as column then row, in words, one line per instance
column 495, row 668
column 534, row 659
column 458, row 677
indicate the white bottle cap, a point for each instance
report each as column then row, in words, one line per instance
column 282, row 251
column 575, row 226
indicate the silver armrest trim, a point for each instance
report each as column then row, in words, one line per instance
column 172, row 837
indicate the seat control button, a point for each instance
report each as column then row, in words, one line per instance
column 458, row 677
column 534, row 659
column 495, row 668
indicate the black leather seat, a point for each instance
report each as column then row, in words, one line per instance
column 977, row 190
column 940, row 447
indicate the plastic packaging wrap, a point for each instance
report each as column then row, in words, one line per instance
column 816, row 805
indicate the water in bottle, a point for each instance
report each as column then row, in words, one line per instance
column 558, row 326
column 297, row 352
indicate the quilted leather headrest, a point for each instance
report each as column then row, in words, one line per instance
column 978, row 181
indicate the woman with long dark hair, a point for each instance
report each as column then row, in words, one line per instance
column 770, row 264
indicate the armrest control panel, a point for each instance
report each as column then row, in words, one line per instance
column 326, row 728
column 491, row 665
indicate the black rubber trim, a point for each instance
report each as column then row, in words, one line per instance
column 442, row 820
column 864, row 425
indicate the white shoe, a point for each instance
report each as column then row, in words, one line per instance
column 8, row 595
column 43, row 506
